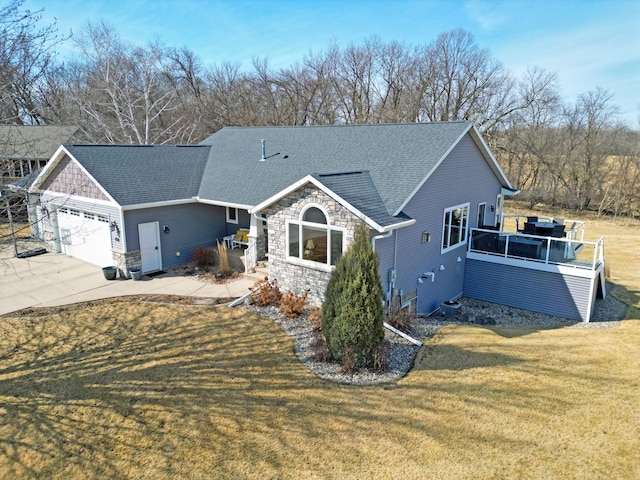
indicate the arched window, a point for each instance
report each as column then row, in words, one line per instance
column 311, row 238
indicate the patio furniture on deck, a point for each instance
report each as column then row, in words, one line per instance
column 543, row 229
column 558, row 231
column 525, row 247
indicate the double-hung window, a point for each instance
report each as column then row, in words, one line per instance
column 232, row 215
column 455, row 225
column 311, row 238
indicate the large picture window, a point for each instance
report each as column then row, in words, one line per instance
column 313, row 239
column 454, row 230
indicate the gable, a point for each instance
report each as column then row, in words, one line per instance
column 138, row 175
column 68, row 178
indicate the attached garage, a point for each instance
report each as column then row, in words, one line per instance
column 85, row 235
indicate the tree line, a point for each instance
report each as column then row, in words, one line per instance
column 573, row 154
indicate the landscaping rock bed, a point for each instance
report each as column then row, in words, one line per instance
column 607, row 314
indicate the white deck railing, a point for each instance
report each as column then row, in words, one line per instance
column 575, row 230
column 535, row 248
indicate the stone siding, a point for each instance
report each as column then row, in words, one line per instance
column 127, row 261
column 293, row 277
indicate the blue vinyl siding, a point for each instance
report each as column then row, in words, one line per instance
column 538, row 291
column 463, row 177
column 385, row 248
column 190, row 226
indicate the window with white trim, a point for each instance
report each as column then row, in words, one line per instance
column 75, row 213
column 311, row 238
column 88, row 215
column 499, row 205
column 455, row 224
column 63, row 210
column 232, row 215
column 482, row 208
column 102, row 218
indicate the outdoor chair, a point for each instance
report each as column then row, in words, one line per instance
column 558, row 231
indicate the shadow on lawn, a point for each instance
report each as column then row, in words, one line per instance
column 119, row 390
column 103, row 394
column 452, row 357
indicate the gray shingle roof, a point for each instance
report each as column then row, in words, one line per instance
column 135, row 174
column 33, row 141
column 393, row 161
column 360, row 191
column 399, row 157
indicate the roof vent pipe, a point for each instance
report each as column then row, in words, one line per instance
column 264, row 151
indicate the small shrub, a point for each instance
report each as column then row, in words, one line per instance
column 203, row 257
column 348, row 360
column 225, row 269
column 292, row 305
column 269, row 294
column 381, row 358
column 401, row 318
column 319, row 346
column 315, row 319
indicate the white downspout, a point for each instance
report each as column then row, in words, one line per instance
column 373, row 246
column 380, row 237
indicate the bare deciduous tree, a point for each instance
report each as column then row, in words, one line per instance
column 26, row 54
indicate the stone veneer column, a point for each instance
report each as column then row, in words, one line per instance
column 126, row 261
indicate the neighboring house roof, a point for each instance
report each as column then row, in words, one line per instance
column 141, row 174
column 23, row 184
column 33, row 141
column 400, row 157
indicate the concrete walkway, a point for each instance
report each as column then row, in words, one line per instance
column 53, row 279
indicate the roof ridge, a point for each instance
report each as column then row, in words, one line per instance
column 339, row 125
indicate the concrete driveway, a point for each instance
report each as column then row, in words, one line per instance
column 54, row 279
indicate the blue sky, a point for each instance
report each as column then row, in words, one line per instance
column 587, row 43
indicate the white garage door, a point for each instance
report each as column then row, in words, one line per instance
column 85, row 235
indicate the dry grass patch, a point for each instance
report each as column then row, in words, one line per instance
column 133, row 390
column 125, row 389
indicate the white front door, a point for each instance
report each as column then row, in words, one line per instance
column 149, row 235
